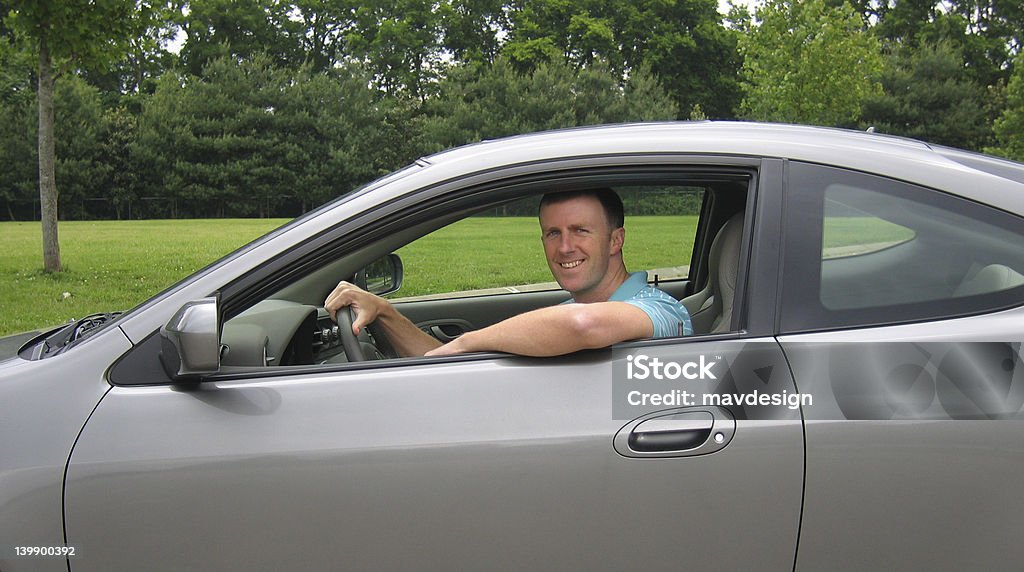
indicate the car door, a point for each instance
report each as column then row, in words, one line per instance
column 482, row 460
column 901, row 317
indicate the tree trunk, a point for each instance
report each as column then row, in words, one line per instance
column 47, row 160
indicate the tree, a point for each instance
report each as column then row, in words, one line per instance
column 209, row 140
column 323, row 28
column 248, row 138
column 985, row 32
column 146, row 55
column 1009, row 128
column 807, row 62
column 121, row 177
column 473, row 29
column 682, row 42
column 68, row 33
column 17, row 148
column 928, row 96
column 240, row 29
column 990, row 32
column 482, row 102
column 399, row 42
column 80, row 166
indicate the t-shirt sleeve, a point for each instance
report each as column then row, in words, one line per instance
column 668, row 316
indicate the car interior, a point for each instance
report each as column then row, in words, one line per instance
column 289, row 325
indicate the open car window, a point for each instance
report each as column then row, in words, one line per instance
column 498, row 250
column 470, row 265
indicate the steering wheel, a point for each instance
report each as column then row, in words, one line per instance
column 349, row 341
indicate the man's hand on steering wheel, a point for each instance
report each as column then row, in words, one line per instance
column 368, row 307
column 393, row 334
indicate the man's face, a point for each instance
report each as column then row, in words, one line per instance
column 579, row 244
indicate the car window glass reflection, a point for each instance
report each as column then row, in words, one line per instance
column 880, row 249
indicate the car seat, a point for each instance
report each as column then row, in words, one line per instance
column 711, row 308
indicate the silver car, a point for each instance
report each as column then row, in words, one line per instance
column 851, row 397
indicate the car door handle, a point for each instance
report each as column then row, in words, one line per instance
column 684, row 432
column 445, row 330
column 679, row 433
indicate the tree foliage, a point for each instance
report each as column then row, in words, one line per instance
column 927, row 96
column 683, row 42
column 239, row 29
column 551, row 96
column 271, row 107
column 1009, row 128
column 808, row 62
column 246, row 138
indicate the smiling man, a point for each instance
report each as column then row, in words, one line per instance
column 583, row 235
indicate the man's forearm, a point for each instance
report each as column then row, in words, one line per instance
column 405, row 337
column 557, row 330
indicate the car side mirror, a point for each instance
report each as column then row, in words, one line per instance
column 190, row 341
column 382, row 276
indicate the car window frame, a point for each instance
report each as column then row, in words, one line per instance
column 369, row 225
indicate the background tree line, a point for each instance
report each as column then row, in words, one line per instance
column 272, row 107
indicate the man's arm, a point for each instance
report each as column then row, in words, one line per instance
column 556, row 330
column 407, row 339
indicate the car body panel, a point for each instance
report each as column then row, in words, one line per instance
column 43, row 407
column 502, row 463
column 908, row 488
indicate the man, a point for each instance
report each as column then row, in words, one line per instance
column 583, row 234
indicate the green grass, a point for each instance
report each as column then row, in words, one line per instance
column 111, row 265
column 108, row 265
column 508, row 252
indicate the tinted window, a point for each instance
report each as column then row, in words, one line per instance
column 864, row 250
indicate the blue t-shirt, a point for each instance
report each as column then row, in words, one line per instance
column 668, row 316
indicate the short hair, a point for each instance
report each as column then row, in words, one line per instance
column 609, row 199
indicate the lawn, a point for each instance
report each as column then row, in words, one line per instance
column 109, row 265
column 115, row 265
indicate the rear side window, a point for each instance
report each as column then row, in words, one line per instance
column 864, row 250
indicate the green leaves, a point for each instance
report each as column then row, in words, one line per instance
column 682, row 42
column 551, row 96
column 80, row 32
column 1009, row 128
column 928, row 96
column 808, row 62
column 247, row 138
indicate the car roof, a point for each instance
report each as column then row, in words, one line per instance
column 979, row 177
column 760, row 139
